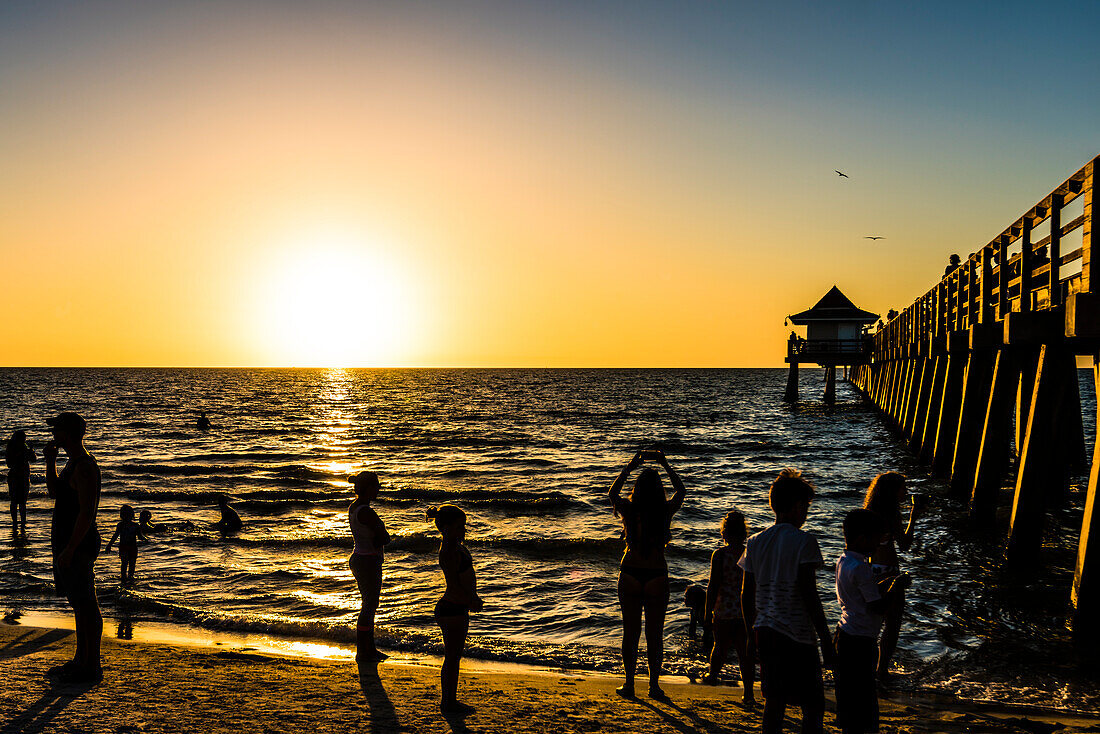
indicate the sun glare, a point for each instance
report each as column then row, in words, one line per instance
column 334, row 301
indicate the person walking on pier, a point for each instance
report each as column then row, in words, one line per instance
column 885, row 497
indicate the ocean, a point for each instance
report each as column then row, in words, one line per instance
column 529, row 455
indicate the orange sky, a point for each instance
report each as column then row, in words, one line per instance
column 324, row 190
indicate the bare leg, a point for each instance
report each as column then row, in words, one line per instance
column 891, row 629
column 720, row 649
column 656, row 604
column 630, row 603
column 454, row 631
column 775, row 708
column 745, row 662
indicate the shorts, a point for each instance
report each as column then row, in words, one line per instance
column 445, row 608
column 856, row 689
column 789, row 670
column 127, row 552
column 367, row 571
column 77, row 582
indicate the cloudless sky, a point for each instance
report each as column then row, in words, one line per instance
column 513, row 183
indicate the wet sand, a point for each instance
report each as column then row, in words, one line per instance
column 151, row 687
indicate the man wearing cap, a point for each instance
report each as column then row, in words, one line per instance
column 74, row 539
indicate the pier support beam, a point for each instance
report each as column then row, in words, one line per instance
column 927, row 445
column 944, row 451
column 972, row 409
column 1040, row 478
column 996, row 434
column 790, row 395
column 830, row 385
column 1086, row 574
column 915, row 427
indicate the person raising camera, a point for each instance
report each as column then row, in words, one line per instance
column 643, row 573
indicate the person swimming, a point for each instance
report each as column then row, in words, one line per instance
column 230, row 521
column 204, row 423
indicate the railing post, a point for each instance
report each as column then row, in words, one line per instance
column 1026, row 263
column 1003, row 273
column 1054, row 281
column 1088, row 229
column 985, row 311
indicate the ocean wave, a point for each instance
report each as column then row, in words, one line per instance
column 425, row 640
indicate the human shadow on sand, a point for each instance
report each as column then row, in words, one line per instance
column 42, row 712
column 383, row 716
column 31, row 641
column 690, row 723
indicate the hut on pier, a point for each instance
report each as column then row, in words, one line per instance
column 835, row 335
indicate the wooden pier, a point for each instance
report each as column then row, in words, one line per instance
column 986, row 360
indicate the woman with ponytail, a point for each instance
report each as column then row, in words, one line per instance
column 643, row 574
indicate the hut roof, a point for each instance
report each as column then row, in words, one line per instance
column 834, row 306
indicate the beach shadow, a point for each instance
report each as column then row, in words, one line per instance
column 39, row 714
column 690, row 723
column 383, row 716
column 31, row 641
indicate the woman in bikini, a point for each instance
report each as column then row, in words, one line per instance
column 370, row 536
column 643, row 572
column 885, row 497
column 452, row 612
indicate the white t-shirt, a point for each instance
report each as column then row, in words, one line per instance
column 855, row 589
column 773, row 557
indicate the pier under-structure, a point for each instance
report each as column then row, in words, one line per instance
column 835, row 337
column 997, row 339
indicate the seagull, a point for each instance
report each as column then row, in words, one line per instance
column 845, row 175
column 868, row 237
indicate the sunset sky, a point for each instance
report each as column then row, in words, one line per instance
column 508, row 184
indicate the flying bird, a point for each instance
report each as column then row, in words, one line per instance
column 845, row 175
column 868, row 237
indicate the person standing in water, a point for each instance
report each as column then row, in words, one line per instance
column 127, row 533
column 369, row 533
column 74, row 540
column 885, row 498
column 643, row 574
column 724, row 606
column 18, row 457
column 452, row 612
column 230, row 521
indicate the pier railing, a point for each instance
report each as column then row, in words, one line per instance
column 1034, row 265
column 984, row 362
column 808, row 348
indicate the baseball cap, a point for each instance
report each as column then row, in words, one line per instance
column 69, row 422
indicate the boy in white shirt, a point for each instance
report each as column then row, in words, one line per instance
column 863, row 601
column 782, row 607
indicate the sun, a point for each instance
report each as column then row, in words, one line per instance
column 335, row 300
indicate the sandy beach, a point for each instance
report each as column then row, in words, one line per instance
column 165, row 688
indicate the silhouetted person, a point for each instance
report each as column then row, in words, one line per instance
column 230, row 521
column 782, row 607
column 74, row 540
column 18, row 457
column 885, row 497
column 128, row 533
column 146, row 525
column 369, row 533
column 643, row 571
column 204, row 423
column 891, row 315
column 452, row 612
column 863, row 602
column 724, row 605
column 952, row 263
